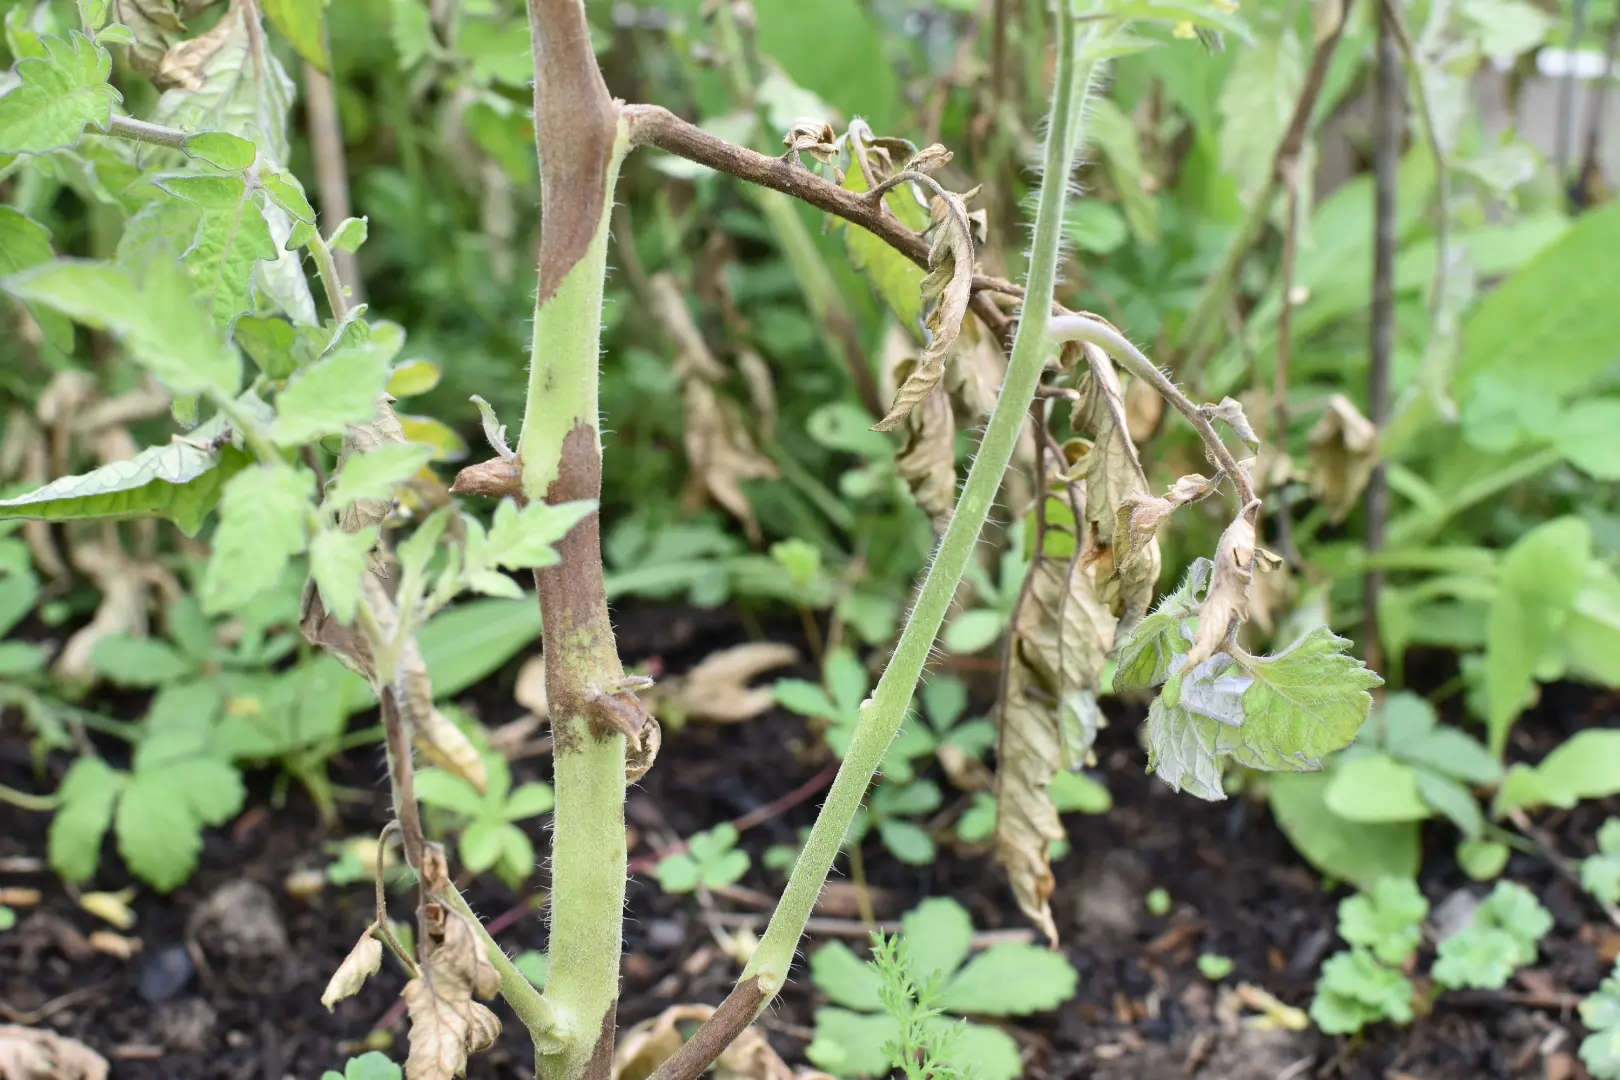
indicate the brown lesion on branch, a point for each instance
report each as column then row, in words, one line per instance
column 579, row 122
column 704, row 1048
column 656, row 126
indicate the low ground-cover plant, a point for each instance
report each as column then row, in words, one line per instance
column 859, row 1033
column 1384, row 926
column 301, row 459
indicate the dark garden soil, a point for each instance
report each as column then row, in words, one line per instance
column 198, row 1001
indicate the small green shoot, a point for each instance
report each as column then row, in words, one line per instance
column 711, row 861
column 8, row 917
column 1158, row 902
column 490, row 837
column 1215, row 967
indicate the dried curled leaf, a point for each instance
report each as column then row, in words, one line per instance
column 1113, row 475
column 1137, row 521
column 1230, row 411
column 1344, row 452
column 717, row 690
column 363, row 961
column 1227, row 605
column 945, row 292
column 446, row 1023
column 719, row 449
column 36, row 1054
column 927, row 457
column 1062, row 631
column 813, row 137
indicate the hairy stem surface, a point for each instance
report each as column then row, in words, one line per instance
column 883, row 713
column 581, row 139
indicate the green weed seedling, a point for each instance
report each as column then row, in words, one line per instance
column 978, row 628
column 1600, row 1012
column 836, row 700
column 1215, row 967
column 939, row 732
column 372, row 1065
column 855, row 1033
column 491, row 838
column 711, row 861
column 1369, row 983
column 1501, row 939
column 8, row 917
column 1600, row 873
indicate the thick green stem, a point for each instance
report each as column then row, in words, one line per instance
column 882, row 714
column 582, row 138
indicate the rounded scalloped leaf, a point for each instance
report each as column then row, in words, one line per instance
column 1012, row 980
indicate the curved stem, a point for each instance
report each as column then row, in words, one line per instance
column 1117, row 345
column 882, row 714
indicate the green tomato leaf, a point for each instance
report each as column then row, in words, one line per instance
column 87, row 794
column 231, row 239
column 180, row 482
column 133, row 661
column 58, row 94
column 1146, row 653
column 325, row 398
column 222, row 150
column 1306, row 702
column 349, row 235
column 24, row 242
column 157, row 317
column 263, row 519
column 376, row 473
column 231, row 84
column 524, row 539
column 303, row 23
column 337, row 561
column 1011, row 980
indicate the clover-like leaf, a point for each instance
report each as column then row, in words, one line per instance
column 1388, row 920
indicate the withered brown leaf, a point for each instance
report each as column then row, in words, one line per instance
column 1344, row 452
column 717, row 690
column 1226, row 605
column 1062, row 631
column 363, row 961
column 37, row 1054
column 946, row 292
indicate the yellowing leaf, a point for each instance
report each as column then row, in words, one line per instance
column 413, row 377
column 896, row 278
column 227, row 79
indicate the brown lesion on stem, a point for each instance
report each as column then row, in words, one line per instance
column 581, row 656
column 730, row 1020
column 406, row 812
column 578, row 120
